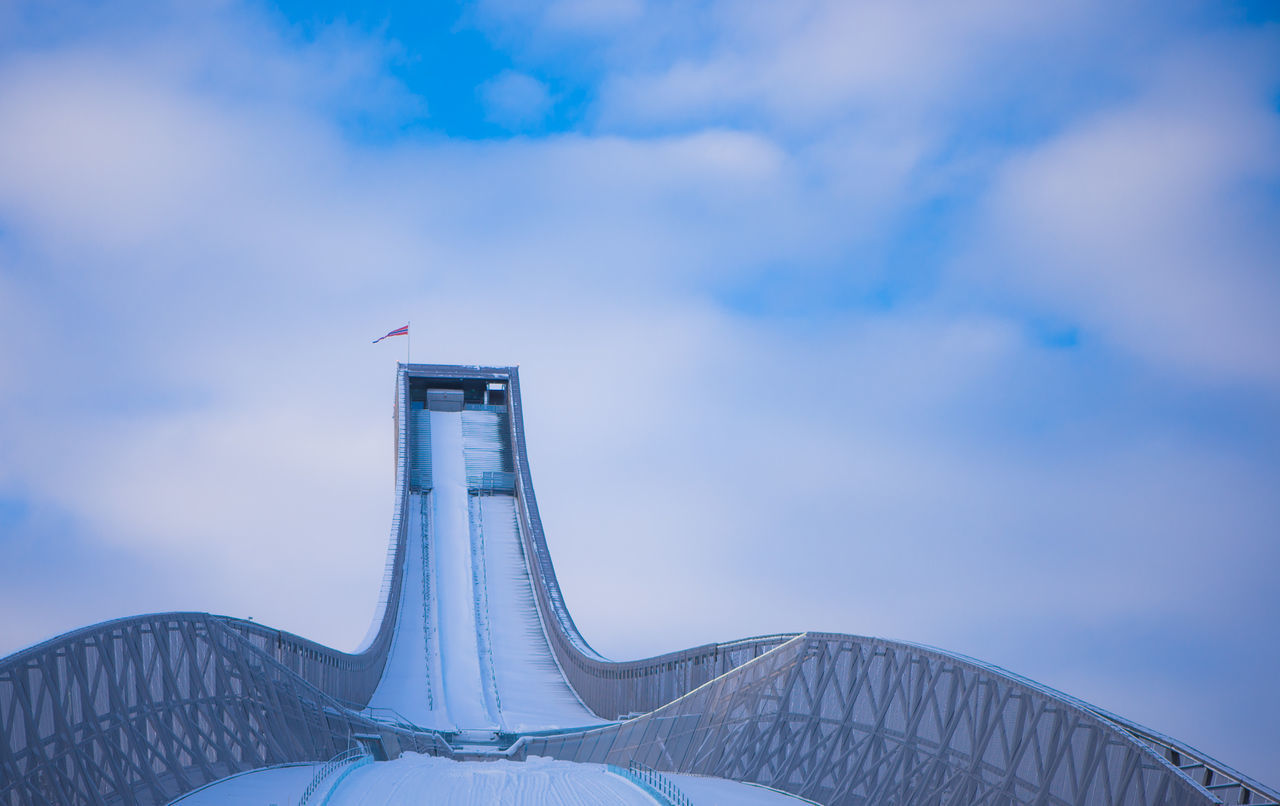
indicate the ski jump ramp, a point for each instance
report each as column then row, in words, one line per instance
column 474, row 656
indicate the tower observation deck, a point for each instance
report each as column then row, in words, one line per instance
column 475, row 658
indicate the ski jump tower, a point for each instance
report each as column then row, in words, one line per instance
column 475, row 656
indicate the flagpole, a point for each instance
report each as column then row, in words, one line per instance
column 408, row 342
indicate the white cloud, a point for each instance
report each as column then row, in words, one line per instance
column 802, row 66
column 591, row 16
column 516, row 100
column 1149, row 224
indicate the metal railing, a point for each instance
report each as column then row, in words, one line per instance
column 429, row 628
column 390, row 716
column 357, row 755
column 1230, row 786
column 655, row 783
column 495, row 482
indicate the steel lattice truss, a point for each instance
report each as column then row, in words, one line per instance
column 143, row 709
column 840, row 719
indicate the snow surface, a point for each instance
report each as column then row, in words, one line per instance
column 533, row 693
column 464, row 691
column 405, row 686
column 704, row 791
column 281, row 786
column 415, row 779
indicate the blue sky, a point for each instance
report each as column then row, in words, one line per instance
column 949, row 322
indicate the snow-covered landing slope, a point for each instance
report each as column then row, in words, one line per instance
column 469, row 652
column 532, row 691
column 704, row 791
column 414, row 779
column 411, row 682
column 467, row 687
column 279, row 785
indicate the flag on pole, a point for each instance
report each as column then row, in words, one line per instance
column 400, row 331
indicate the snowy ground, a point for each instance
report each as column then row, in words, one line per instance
column 704, row 791
column 414, row 779
column 534, row 694
column 276, row 786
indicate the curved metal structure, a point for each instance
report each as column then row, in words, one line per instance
column 140, row 710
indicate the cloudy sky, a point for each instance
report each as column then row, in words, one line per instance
column 954, row 322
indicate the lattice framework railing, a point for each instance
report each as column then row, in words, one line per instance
column 141, row 710
column 841, row 719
